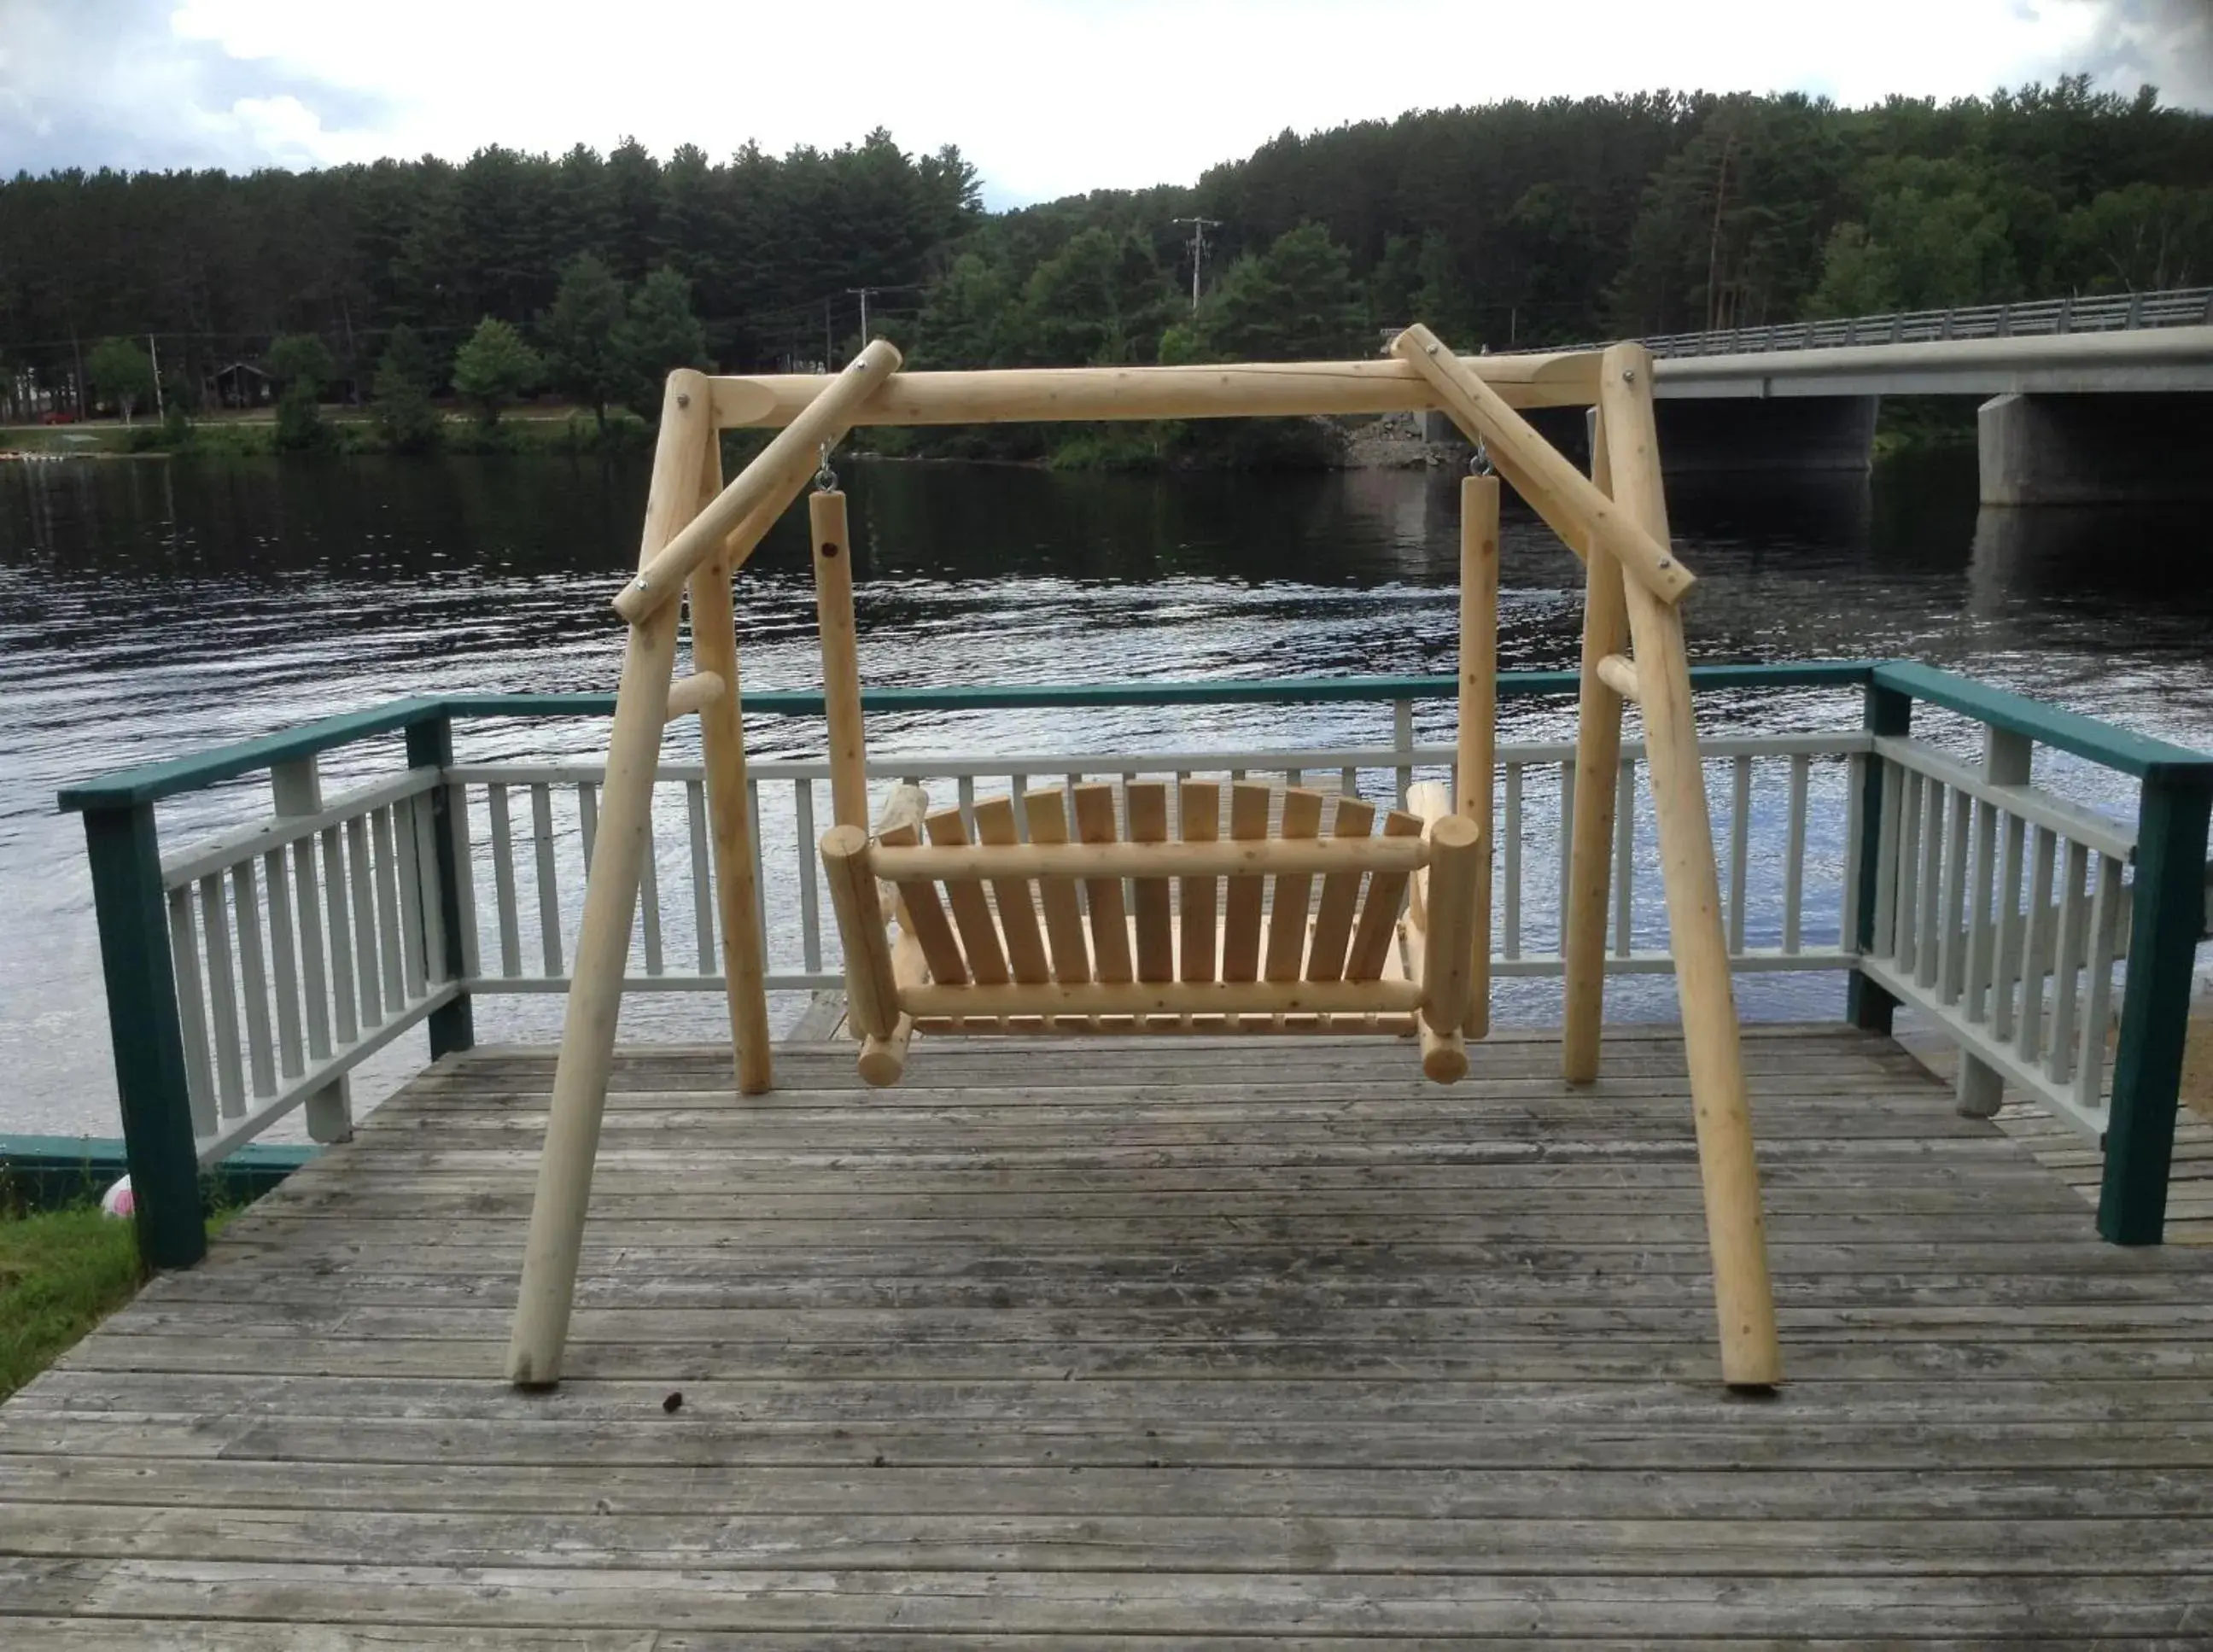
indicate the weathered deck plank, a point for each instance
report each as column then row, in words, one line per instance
column 1136, row 1346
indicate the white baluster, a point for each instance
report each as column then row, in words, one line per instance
column 192, row 1011
column 296, row 789
column 504, row 897
column 548, row 881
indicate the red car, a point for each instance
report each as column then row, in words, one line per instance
column 59, row 416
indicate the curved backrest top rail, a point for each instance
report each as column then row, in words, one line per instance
column 2087, row 737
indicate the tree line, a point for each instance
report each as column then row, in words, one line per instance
column 1507, row 225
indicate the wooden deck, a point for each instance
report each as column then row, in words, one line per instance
column 1140, row 1346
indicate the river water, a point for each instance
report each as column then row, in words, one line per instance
column 149, row 609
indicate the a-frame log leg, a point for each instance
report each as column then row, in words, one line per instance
column 588, row 1032
column 1744, row 1298
column 1477, row 753
column 729, row 812
column 1598, row 754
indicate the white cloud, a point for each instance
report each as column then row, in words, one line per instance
column 1050, row 96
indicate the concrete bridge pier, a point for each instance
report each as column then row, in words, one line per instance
column 1702, row 436
column 2095, row 449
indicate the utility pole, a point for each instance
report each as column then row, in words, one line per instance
column 863, row 294
column 1198, row 245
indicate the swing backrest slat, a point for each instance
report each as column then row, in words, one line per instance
column 923, row 917
column 1340, row 897
column 971, row 911
column 1241, row 911
column 1288, row 902
column 1372, row 938
column 1199, row 806
column 1014, row 898
column 1110, row 920
column 1057, row 897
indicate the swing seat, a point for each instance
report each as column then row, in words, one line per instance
column 1274, row 926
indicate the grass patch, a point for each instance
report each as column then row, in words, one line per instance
column 2198, row 1064
column 61, row 1273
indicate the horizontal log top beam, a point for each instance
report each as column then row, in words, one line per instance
column 1244, row 390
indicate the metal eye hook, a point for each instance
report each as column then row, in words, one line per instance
column 825, row 479
column 1480, row 464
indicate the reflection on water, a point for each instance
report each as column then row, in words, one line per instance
column 147, row 609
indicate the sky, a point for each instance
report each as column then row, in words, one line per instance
column 1044, row 97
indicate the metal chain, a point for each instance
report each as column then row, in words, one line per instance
column 825, row 479
column 1480, row 464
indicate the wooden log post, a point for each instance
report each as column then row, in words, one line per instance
column 883, row 1058
column 699, row 690
column 778, row 468
column 729, row 812
column 1619, row 672
column 1211, row 390
column 1578, row 511
column 871, row 987
column 882, row 1061
column 1444, row 1046
column 1597, row 754
column 1455, row 851
column 588, row 1032
column 841, row 658
column 1744, row 1301
column 1478, row 746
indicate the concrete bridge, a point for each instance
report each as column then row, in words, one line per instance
column 2085, row 400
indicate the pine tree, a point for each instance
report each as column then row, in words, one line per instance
column 587, row 356
column 1296, row 301
column 302, row 365
column 661, row 335
column 402, row 407
column 494, row 367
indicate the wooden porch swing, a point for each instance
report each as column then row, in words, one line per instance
column 1251, row 916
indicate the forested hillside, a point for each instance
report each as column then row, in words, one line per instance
column 1509, row 224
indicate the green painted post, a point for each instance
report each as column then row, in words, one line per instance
column 142, row 1025
column 431, row 744
column 2168, row 916
column 1888, row 711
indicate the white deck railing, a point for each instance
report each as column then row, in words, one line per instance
column 301, row 947
column 1788, row 894
column 307, row 943
column 2001, row 912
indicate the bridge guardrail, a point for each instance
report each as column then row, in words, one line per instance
column 2098, row 313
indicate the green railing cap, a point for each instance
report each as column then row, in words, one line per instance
column 129, row 787
column 2141, row 755
column 2115, row 747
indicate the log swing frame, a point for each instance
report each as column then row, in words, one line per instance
column 698, row 533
